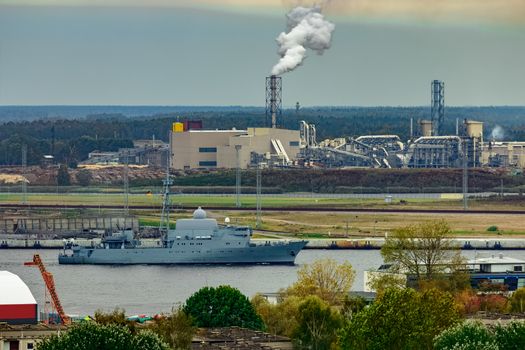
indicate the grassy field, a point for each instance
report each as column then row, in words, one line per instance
column 310, row 224
column 326, row 225
column 249, row 201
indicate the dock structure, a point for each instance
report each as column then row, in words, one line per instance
column 59, row 225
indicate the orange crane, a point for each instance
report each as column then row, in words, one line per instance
column 50, row 288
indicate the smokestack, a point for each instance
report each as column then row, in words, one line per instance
column 306, row 29
column 437, row 107
column 274, row 100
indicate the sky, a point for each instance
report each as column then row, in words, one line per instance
column 218, row 52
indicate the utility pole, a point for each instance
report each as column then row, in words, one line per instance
column 24, row 168
column 126, row 185
column 465, row 176
column 238, row 177
column 258, row 196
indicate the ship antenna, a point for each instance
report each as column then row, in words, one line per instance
column 165, row 217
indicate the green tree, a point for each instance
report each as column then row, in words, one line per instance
column 223, row 306
column 381, row 281
column 94, row 336
column 466, row 336
column 325, row 278
column 175, row 329
column 425, row 251
column 280, row 318
column 318, row 325
column 63, row 178
column 401, row 319
column 352, row 305
column 517, row 300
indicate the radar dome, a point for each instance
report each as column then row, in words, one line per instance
column 199, row 214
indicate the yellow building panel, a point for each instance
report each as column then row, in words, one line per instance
column 177, row 127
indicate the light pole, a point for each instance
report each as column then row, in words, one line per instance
column 238, row 177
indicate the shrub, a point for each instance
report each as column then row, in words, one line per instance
column 517, row 300
column 510, row 336
column 175, row 329
column 94, row 336
column 494, row 303
column 492, row 229
column 465, row 336
column 468, row 302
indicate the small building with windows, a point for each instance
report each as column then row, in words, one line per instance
column 497, row 270
column 208, row 149
column 26, row 336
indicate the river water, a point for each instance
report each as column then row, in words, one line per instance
column 154, row 289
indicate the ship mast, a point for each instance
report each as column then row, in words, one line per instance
column 165, row 217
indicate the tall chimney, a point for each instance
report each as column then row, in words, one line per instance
column 273, row 100
column 437, row 109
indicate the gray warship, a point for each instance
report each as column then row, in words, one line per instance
column 199, row 240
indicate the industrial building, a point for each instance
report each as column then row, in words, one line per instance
column 193, row 147
column 205, row 149
column 447, row 151
column 427, row 147
column 144, row 152
column 504, row 154
column 17, row 304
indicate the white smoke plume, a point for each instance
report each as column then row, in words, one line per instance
column 307, row 29
column 497, row 133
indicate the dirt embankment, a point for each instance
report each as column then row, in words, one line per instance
column 97, row 175
column 284, row 180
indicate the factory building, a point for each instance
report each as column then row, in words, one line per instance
column 144, row 152
column 17, row 304
column 206, row 149
column 504, row 154
column 447, row 151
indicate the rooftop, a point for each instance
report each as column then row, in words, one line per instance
column 238, row 338
column 14, row 291
column 496, row 260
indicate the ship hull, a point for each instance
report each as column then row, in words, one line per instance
column 258, row 254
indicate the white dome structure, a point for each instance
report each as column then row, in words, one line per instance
column 199, row 213
column 17, row 304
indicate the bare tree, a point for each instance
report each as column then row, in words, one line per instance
column 423, row 250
